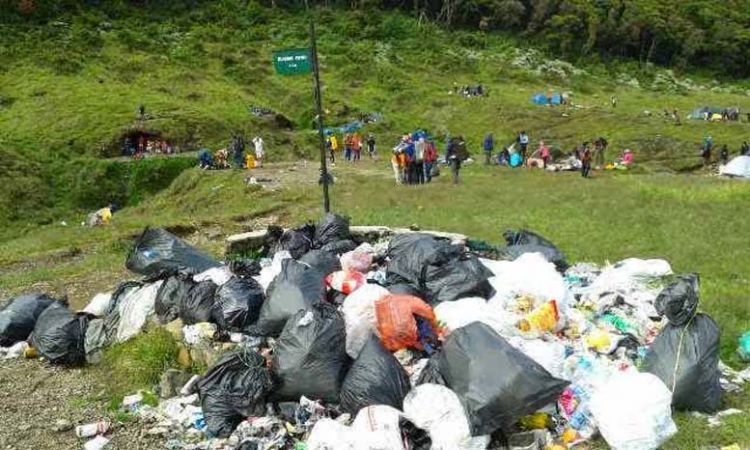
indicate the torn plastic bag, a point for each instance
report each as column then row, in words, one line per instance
column 324, row 262
column 375, row 378
column 396, row 317
column 237, row 304
column 459, row 313
column 356, row 261
column 345, row 282
column 170, row 296
column 686, row 359
column 219, row 275
column 244, row 268
column 296, row 287
column 233, row 389
column 339, row 247
column 198, row 305
column 524, row 241
column 310, row 356
column 458, row 278
column 157, row 251
column 133, row 310
column 327, row 434
column 410, row 255
column 59, row 335
column 359, row 315
column 679, row 300
column 96, row 340
column 297, row 242
column 270, row 272
column 497, row 383
column 18, row 317
column 331, row 228
column 377, row 427
column 633, row 411
column 438, row 410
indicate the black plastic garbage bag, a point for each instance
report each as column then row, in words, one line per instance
column 158, row 251
column 456, row 279
column 296, row 287
column 431, row 372
column 686, row 358
column 172, row 292
column 417, row 438
column 198, row 305
column 59, row 335
column 245, row 268
column 496, row 382
column 18, row 318
column 233, row 389
column 405, row 288
column 679, row 300
column 96, row 340
column 237, row 304
column 339, row 247
column 331, row 228
column 375, row 378
column 322, row 261
column 297, row 242
column 310, row 357
column 411, row 254
column 525, row 241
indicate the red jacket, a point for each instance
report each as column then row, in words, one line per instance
column 430, row 155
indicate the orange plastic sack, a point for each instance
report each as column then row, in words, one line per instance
column 397, row 325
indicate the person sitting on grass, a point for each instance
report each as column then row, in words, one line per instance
column 745, row 149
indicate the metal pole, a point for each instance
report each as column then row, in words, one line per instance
column 319, row 116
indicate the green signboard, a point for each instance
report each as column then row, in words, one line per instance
column 292, row 62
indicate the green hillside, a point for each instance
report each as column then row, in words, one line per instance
column 73, row 77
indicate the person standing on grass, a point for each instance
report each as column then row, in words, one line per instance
column 544, row 154
column 357, row 147
column 489, row 147
column 418, row 166
column 724, row 155
column 371, row 145
column 453, row 158
column 329, row 147
column 708, row 145
column 586, row 162
column 523, row 143
column 348, row 147
column 600, row 146
column 430, row 156
column 745, row 149
column 260, row 151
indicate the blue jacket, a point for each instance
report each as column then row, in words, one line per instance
column 489, row 144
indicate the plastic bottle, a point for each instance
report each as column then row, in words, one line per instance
column 92, row 429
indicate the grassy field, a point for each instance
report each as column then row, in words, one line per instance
column 70, row 87
column 695, row 222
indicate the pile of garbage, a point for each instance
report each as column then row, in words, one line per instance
column 411, row 342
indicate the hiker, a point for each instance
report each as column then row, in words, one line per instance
column 724, row 155
column 745, row 149
column 348, row 147
column 259, row 151
column 624, row 161
column 430, row 157
column 334, row 147
column 503, row 158
column 409, row 154
column 398, row 161
column 329, row 147
column 205, row 161
column 142, row 112
column 371, row 145
column 600, row 146
column 453, row 156
column 523, row 142
column 221, row 158
column 708, row 144
column 586, row 162
column 356, row 147
column 489, row 147
column 418, row 163
column 238, row 150
column 544, row 154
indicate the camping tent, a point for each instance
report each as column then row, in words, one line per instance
column 543, row 100
column 700, row 113
column 738, row 167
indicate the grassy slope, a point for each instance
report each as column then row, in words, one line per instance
column 693, row 222
column 71, row 87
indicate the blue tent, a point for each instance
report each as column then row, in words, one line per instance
column 543, row 100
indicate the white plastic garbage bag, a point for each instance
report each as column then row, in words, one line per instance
column 359, row 315
column 438, row 410
column 327, row 434
column 135, row 309
column 356, row 261
column 633, row 411
column 219, row 275
column 629, row 278
column 98, row 305
column 267, row 274
column 462, row 312
column 548, row 354
column 528, row 275
column 376, row 427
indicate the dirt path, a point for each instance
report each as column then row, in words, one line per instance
column 36, row 395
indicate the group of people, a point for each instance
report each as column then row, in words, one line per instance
column 353, row 143
column 138, row 147
column 708, row 146
column 241, row 160
column 414, row 159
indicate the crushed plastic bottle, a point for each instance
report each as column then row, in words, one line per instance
column 743, row 350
